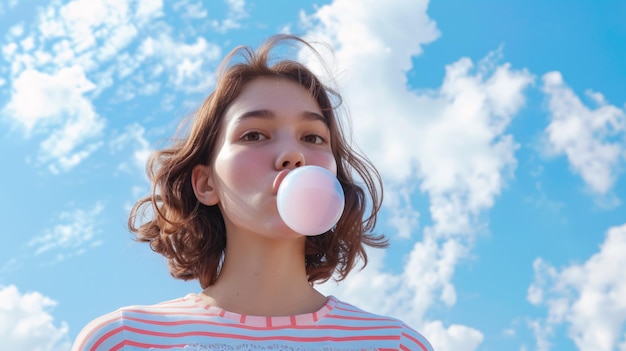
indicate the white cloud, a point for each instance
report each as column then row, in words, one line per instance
column 77, row 50
column 57, row 102
column 89, row 33
column 454, row 337
column 590, row 298
column 449, row 141
column 542, row 333
column 100, row 36
column 42, row 98
column 188, row 66
column 547, row 205
column 147, row 11
column 461, row 150
column 593, row 140
column 16, row 30
column 76, row 231
column 190, row 9
column 10, row 5
column 26, row 324
column 236, row 13
column 52, row 72
column 133, row 135
column 9, row 266
column 403, row 217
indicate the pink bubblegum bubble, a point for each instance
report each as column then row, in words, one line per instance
column 310, row 200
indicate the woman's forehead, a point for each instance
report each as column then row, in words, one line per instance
column 268, row 96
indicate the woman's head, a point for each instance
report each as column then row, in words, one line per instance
column 191, row 231
column 273, row 126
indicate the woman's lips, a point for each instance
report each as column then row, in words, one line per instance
column 279, row 179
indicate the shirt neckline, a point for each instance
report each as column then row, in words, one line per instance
column 265, row 321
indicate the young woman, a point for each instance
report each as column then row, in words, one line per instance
column 214, row 217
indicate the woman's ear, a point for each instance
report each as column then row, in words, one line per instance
column 202, row 182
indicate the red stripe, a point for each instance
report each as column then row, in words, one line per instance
column 149, row 309
column 183, row 322
column 104, row 337
column 144, row 345
column 223, row 312
column 359, row 318
column 351, row 309
column 358, row 311
column 236, row 337
column 109, row 334
column 97, row 328
column 424, row 348
column 164, row 313
column 211, row 323
column 264, row 338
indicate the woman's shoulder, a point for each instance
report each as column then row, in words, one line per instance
column 185, row 305
column 109, row 328
column 410, row 339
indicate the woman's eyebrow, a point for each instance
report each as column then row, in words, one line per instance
column 268, row 114
column 314, row 116
column 262, row 114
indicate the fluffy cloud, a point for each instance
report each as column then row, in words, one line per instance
column 462, row 152
column 133, row 135
column 451, row 141
column 188, row 66
column 404, row 218
column 26, row 324
column 81, row 32
column 236, row 13
column 590, row 298
column 78, row 50
column 190, row 9
column 10, row 5
column 591, row 139
column 57, row 102
column 51, row 90
column 76, row 232
column 40, row 98
column 453, row 337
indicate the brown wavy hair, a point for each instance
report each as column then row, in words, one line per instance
column 192, row 236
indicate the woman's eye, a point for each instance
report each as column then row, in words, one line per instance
column 253, row 136
column 314, row 139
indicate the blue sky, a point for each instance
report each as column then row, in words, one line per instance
column 499, row 129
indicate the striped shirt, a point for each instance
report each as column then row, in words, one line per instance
column 191, row 324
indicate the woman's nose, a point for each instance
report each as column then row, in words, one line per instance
column 290, row 158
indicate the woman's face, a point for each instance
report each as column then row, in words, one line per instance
column 272, row 127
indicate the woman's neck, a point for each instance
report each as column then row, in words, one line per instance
column 264, row 276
